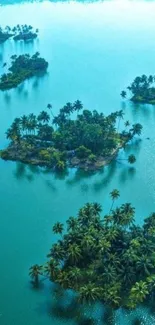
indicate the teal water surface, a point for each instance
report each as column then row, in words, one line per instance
column 94, row 51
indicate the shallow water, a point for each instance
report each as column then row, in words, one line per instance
column 94, row 51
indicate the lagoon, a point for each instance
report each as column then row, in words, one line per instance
column 94, row 50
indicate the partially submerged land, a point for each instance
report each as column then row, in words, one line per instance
column 90, row 140
column 22, row 68
column 108, row 259
column 19, row 32
column 142, row 90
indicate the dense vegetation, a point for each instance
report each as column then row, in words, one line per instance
column 88, row 140
column 22, row 67
column 19, row 32
column 142, row 90
column 108, row 259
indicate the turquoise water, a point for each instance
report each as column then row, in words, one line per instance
column 94, row 50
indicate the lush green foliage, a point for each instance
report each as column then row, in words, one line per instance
column 142, row 89
column 109, row 259
column 83, row 139
column 22, row 67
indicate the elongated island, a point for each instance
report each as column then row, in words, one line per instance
column 22, row 67
column 88, row 140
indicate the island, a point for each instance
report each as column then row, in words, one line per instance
column 108, row 259
column 142, row 90
column 25, row 33
column 22, row 67
column 19, row 32
column 86, row 139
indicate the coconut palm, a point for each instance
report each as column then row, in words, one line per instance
column 114, row 196
column 49, row 106
column 74, row 253
column 136, row 129
column 77, row 106
column 43, row 117
column 35, row 271
column 58, row 228
column 120, row 116
column 51, row 269
column 139, row 291
column 72, row 223
column 97, row 208
column 90, row 293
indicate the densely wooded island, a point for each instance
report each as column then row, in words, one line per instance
column 108, row 259
column 22, row 68
column 142, row 90
column 89, row 140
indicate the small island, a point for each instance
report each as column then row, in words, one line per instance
column 108, row 259
column 142, row 90
column 87, row 140
column 18, row 33
column 24, row 33
column 22, row 67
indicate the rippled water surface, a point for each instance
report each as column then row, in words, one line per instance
column 94, row 50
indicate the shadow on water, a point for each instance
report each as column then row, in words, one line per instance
column 7, row 98
column 109, row 316
column 105, row 181
column 126, row 173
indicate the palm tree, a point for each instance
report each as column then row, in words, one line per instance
column 120, row 116
column 58, row 228
column 24, row 122
column 51, row 269
column 131, row 159
column 144, row 265
column 114, row 196
column 90, row 293
column 72, row 223
column 97, row 208
column 34, row 272
column 123, row 94
column 49, row 106
column 74, row 253
column 57, row 252
column 44, row 117
column 63, row 280
column 136, row 129
column 78, row 106
column 127, row 209
column 139, row 291
column 75, row 275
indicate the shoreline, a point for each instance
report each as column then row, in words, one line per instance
column 11, row 154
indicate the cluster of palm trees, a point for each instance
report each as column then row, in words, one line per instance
column 142, row 89
column 27, row 125
column 19, row 32
column 108, row 259
column 87, row 136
